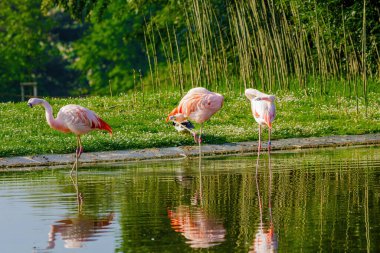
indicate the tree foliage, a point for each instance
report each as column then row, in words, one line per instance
column 111, row 46
column 30, row 46
column 23, row 39
column 113, row 49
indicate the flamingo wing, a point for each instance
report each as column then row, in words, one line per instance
column 263, row 112
column 259, row 109
column 199, row 104
column 188, row 104
column 81, row 120
column 262, row 105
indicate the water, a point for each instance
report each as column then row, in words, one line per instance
column 326, row 200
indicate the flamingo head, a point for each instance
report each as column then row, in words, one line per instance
column 179, row 117
column 269, row 98
column 34, row 101
column 214, row 102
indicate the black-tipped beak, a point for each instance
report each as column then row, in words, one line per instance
column 30, row 105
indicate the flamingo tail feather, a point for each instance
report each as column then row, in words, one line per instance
column 267, row 120
column 104, row 126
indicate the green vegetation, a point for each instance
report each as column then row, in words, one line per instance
column 320, row 48
column 138, row 121
column 321, row 58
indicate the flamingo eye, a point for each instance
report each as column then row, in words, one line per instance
column 209, row 103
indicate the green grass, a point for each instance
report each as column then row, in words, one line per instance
column 139, row 122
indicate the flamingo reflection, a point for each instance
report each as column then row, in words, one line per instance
column 201, row 229
column 196, row 226
column 81, row 228
column 265, row 239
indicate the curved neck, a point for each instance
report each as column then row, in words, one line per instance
column 49, row 115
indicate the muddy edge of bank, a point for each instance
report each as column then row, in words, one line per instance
column 29, row 163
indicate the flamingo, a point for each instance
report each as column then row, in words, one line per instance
column 263, row 111
column 72, row 118
column 199, row 104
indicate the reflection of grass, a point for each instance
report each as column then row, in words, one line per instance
column 139, row 122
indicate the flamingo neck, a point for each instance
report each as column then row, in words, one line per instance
column 53, row 123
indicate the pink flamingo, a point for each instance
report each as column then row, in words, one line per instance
column 199, row 104
column 72, row 118
column 263, row 110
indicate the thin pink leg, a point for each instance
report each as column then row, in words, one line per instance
column 80, row 148
column 269, row 143
column 80, row 151
column 198, row 137
column 259, row 146
column 195, row 136
column 77, row 151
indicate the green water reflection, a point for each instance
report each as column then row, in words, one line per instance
column 326, row 200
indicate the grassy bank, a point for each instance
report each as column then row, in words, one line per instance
column 138, row 121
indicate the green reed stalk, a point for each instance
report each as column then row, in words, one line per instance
column 179, row 65
column 364, row 61
column 148, row 57
column 263, row 44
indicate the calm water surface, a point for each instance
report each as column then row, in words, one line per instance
column 312, row 201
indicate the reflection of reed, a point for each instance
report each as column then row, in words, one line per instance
column 265, row 238
column 366, row 214
column 192, row 221
column 81, row 228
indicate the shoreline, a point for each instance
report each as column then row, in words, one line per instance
column 38, row 162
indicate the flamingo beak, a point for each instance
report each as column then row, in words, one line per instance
column 30, row 105
column 172, row 118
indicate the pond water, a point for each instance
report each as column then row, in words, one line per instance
column 321, row 200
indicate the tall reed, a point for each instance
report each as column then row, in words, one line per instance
column 262, row 44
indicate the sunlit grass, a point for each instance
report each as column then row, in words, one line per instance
column 139, row 123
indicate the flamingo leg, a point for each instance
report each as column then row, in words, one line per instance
column 269, row 143
column 200, row 134
column 77, row 150
column 79, row 146
column 198, row 137
column 193, row 133
column 200, row 141
column 75, row 165
column 259, row 146
column 77, row 155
